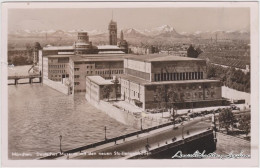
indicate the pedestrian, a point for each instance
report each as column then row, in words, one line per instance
column 115, row 142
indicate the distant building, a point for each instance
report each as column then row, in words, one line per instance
column 112, row 27
column 123, row 43
column 83, row 45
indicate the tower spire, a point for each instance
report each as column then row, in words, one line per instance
column 112, row 14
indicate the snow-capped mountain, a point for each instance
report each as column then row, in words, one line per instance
column 164, row 31
column 230, row 34
column 161, row 30
column 132, row 33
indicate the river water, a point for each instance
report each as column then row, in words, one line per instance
column 38, row 115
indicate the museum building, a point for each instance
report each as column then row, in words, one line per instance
column 157, row 81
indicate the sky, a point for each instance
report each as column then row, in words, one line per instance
column 181, row 19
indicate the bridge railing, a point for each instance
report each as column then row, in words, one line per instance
column 109, row 140
column 173, row 144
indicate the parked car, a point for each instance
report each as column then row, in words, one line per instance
column 174, row 139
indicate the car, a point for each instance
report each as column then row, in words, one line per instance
column 174, row 139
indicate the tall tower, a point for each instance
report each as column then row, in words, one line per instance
column 121, row 36
column 112, row 27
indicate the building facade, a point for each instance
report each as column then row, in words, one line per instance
column 155, row 81
column 97, row 88
column 105, row 66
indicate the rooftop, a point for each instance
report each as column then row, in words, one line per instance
column 161, row 58
column 111, row 52
column 144, row 82
column 103, row 47
column 99, row 80
column 58, row 48
column 99, row 57
column 58, row 56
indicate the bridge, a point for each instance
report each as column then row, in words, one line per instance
column 30, row 77
column 148, row 143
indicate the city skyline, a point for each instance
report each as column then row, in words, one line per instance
column 188, row 20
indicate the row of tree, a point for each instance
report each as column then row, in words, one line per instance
column 231, row 77
column 227, row 120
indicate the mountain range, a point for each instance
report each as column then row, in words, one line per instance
column 164, row 31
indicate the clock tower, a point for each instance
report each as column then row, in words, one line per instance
column 112, row 27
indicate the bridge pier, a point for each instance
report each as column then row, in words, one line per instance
column 40, row 79
column 30, row 80
column 15, row 81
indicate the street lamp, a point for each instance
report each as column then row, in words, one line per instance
column 141, row 124
column 60, row 143
column 182, row 130
column 105, row 133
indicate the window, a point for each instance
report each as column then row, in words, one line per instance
column 76, row 69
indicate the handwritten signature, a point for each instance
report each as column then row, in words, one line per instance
column 203, row 154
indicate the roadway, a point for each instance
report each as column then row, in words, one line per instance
column 137, row 144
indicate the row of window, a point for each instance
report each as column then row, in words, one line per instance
column 76, row 83
column 110, row 72
column 178, row 76
column 57, row 71
column 57, row 66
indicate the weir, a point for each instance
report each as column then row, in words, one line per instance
column 30, row 77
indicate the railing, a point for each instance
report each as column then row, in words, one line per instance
column 174, row 144
column 109, row 140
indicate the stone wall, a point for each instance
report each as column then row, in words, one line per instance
column 57, row 86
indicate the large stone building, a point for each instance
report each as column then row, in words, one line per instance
column 103, row 65
column 153, row 81
column 71, row 64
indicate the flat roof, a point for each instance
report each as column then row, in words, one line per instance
column 144, row 82
column 111, row 52
column 107, row 47
column 99, row 80
column 98, row 57
column 58, row 48
column 162, row 58
column 58, row 56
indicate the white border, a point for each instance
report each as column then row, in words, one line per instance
column 254, row 26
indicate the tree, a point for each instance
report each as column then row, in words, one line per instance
column 37, row 46
column 226, row 119
column 107, row 90
column 160, row 95
column 116, row 82
column 244, row 124
column 191, row 52
column 211, row 72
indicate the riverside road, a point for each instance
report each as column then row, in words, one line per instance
column 160, row 137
